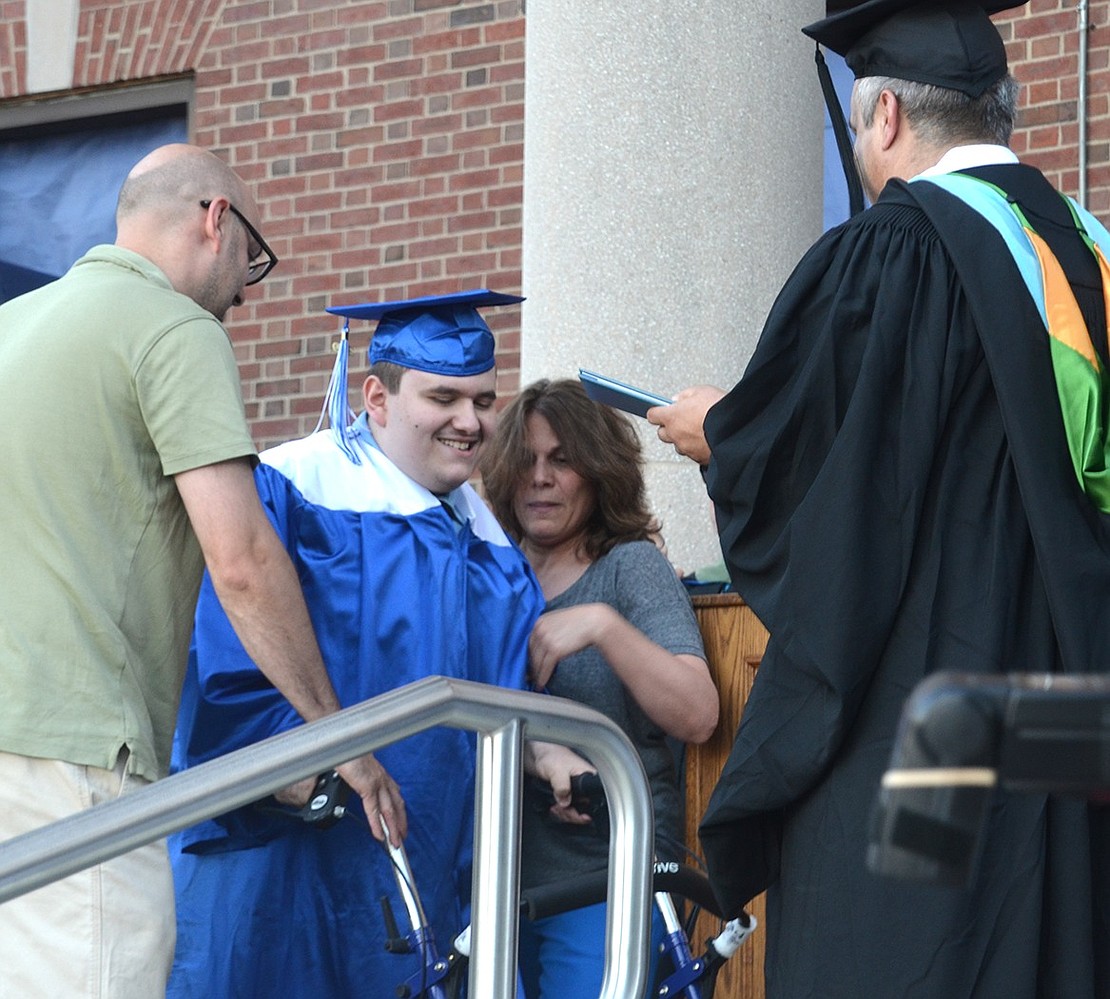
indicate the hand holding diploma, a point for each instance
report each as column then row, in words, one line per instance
column 680, row 423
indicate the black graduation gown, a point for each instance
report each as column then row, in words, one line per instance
column 886, row 517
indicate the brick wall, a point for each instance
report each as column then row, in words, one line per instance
column 1042, row 44
column 384, row 139
column 385, row 143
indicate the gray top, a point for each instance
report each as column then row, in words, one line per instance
column 638, row 581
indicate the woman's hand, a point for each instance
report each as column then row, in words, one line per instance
column 557, row 765
column 560, row 633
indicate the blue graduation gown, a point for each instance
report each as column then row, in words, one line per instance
column 397, row 591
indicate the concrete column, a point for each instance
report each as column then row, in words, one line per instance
column 673, row 177
column 51, row 44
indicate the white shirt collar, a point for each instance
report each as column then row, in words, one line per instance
column 974, row 155
column 455, row 501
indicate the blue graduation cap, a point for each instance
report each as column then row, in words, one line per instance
column 442, row 334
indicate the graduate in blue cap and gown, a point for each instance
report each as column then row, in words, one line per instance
column 406, row 574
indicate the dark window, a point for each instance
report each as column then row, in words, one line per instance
column 59, row 178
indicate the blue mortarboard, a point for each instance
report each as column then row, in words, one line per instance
column 441, row 334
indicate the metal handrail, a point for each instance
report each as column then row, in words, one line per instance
column 501, row 717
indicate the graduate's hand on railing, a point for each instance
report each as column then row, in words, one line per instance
column 381, row 797
column 296, row 794
column 680, row 424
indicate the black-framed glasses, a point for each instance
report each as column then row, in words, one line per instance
column 262, row 258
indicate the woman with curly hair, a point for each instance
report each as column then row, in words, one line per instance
column 564, row 476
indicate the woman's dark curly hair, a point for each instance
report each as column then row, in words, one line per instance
column 597, row 442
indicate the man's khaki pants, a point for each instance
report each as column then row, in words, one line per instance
column 103, row 933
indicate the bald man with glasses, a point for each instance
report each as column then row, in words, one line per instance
column 128, row 469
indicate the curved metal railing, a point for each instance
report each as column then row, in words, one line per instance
column 501, row 717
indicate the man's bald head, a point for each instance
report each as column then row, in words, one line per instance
column 178, row 209
column 172, row 179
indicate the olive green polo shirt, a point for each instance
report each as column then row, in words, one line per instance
column 111, row 383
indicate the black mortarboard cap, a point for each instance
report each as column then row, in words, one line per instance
column 948, row 43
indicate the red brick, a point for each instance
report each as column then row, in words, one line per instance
column 441, row 83
column 432, row 206
column 446, row 41
column 475, row 56
column 398, row 109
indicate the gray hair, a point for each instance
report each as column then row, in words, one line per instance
column 941, row 116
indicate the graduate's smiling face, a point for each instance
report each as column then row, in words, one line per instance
column 434, row 426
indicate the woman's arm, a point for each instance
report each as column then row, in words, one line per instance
column 674, row 691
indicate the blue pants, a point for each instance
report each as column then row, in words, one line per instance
column 563, row 957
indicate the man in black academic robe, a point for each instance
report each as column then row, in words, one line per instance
column 895, row 496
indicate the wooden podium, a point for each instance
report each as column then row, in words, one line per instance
column 734, row 644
